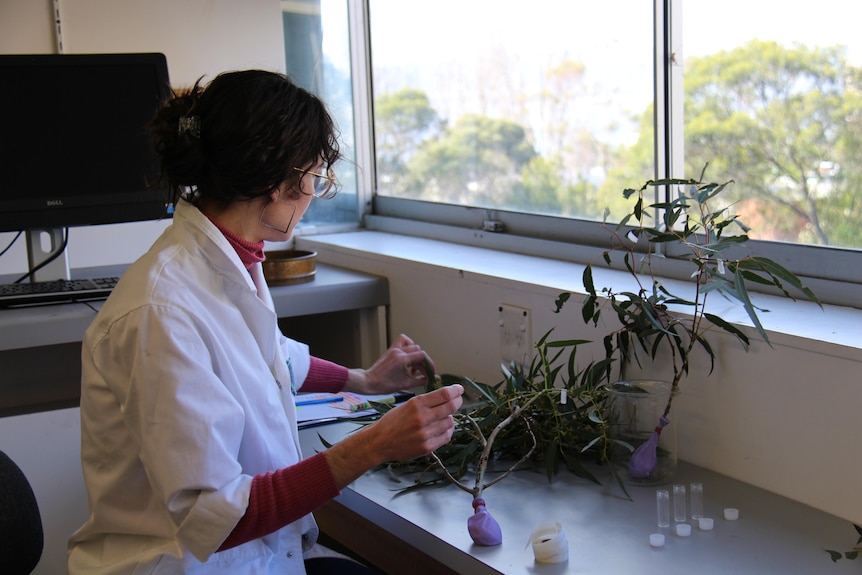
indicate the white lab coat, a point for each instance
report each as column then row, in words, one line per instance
column 186, row 395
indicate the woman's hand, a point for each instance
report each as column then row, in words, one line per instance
column 420, row 425
column 402, row 366
column 410, row 430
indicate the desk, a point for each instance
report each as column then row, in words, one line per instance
column 40, row 346
column 426, row 531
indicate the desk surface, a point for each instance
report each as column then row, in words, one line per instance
column 332, row 289
column 606, row 532
column 40, row 346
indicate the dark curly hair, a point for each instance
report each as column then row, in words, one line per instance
column 252, row 128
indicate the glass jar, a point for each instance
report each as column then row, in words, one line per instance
column 645, row 441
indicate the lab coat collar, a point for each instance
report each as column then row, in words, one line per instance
column 231, row 265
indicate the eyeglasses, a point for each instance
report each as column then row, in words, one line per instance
column 325, row 186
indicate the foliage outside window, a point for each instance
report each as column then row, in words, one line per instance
column 516, row 111
column 550, row 109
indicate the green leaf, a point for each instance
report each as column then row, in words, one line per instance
column 431, row 382
column 541, row 341
column 623, row 222
column 753, row 277
column 588, row 280
column 621, row 484
column 749, row 307
column 325, row 443
column 591, row 443
column 776, row 271
column 834, row 555
column 561, row 300
column 486, row 391
column 568, row 342
column 708, row 349
column 728, row 327
column 590, row 309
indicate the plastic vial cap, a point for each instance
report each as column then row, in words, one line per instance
column 731, row 514
column 656, row 539
column 683, row 529
column 705, row 523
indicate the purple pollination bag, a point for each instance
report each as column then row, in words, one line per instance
column 483, row 528
column 643, row 460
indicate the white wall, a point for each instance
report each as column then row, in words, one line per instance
column 199, row 37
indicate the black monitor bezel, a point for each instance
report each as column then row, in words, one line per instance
column 147, row 202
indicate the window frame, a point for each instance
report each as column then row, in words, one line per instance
column 835, row 274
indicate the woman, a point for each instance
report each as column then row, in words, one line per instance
column 189, row 440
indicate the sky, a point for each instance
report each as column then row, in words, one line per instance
column 732, row 22
column 443, row 46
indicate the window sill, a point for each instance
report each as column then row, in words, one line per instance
column 834, row 330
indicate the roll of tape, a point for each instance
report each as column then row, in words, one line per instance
column 549, row 543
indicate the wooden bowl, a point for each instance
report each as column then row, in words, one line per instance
column 284, row 267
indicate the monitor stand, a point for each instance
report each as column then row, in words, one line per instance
column 42, row 245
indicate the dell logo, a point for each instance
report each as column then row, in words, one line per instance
column 53, row 203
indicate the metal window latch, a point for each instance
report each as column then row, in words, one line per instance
column 493, row 226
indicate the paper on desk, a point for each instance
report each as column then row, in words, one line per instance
column 333, row 410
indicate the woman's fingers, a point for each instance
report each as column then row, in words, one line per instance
column 423, row 423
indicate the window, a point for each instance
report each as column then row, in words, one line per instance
column 777, row 107
column 317, row 57
column 532, row 118
column 530, row 107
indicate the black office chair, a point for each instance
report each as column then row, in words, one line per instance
column 21, row 536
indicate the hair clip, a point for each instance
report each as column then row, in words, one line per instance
column 190, row 124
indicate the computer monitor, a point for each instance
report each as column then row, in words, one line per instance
column 73, row 144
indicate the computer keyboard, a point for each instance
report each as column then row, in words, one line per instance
column 56, row 291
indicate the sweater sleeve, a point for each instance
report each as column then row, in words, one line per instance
column 324, row 376
column 281, row 497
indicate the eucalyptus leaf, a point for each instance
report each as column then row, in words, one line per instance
column 562, row 299
column 573, row 343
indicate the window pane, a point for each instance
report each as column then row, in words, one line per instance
column 773, row 102
column 317, row 56
column 541, row 107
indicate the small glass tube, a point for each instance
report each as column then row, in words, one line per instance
column 679, row 514
column 662, row 499
column 696, row 500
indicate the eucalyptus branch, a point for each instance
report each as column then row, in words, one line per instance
column 448, row 475
column 520, row 461
column 478, row 430
column 488, row 444
column 688, row 220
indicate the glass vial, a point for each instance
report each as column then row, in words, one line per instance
column 696, row 500
column 662, row 500
column 679, row 514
